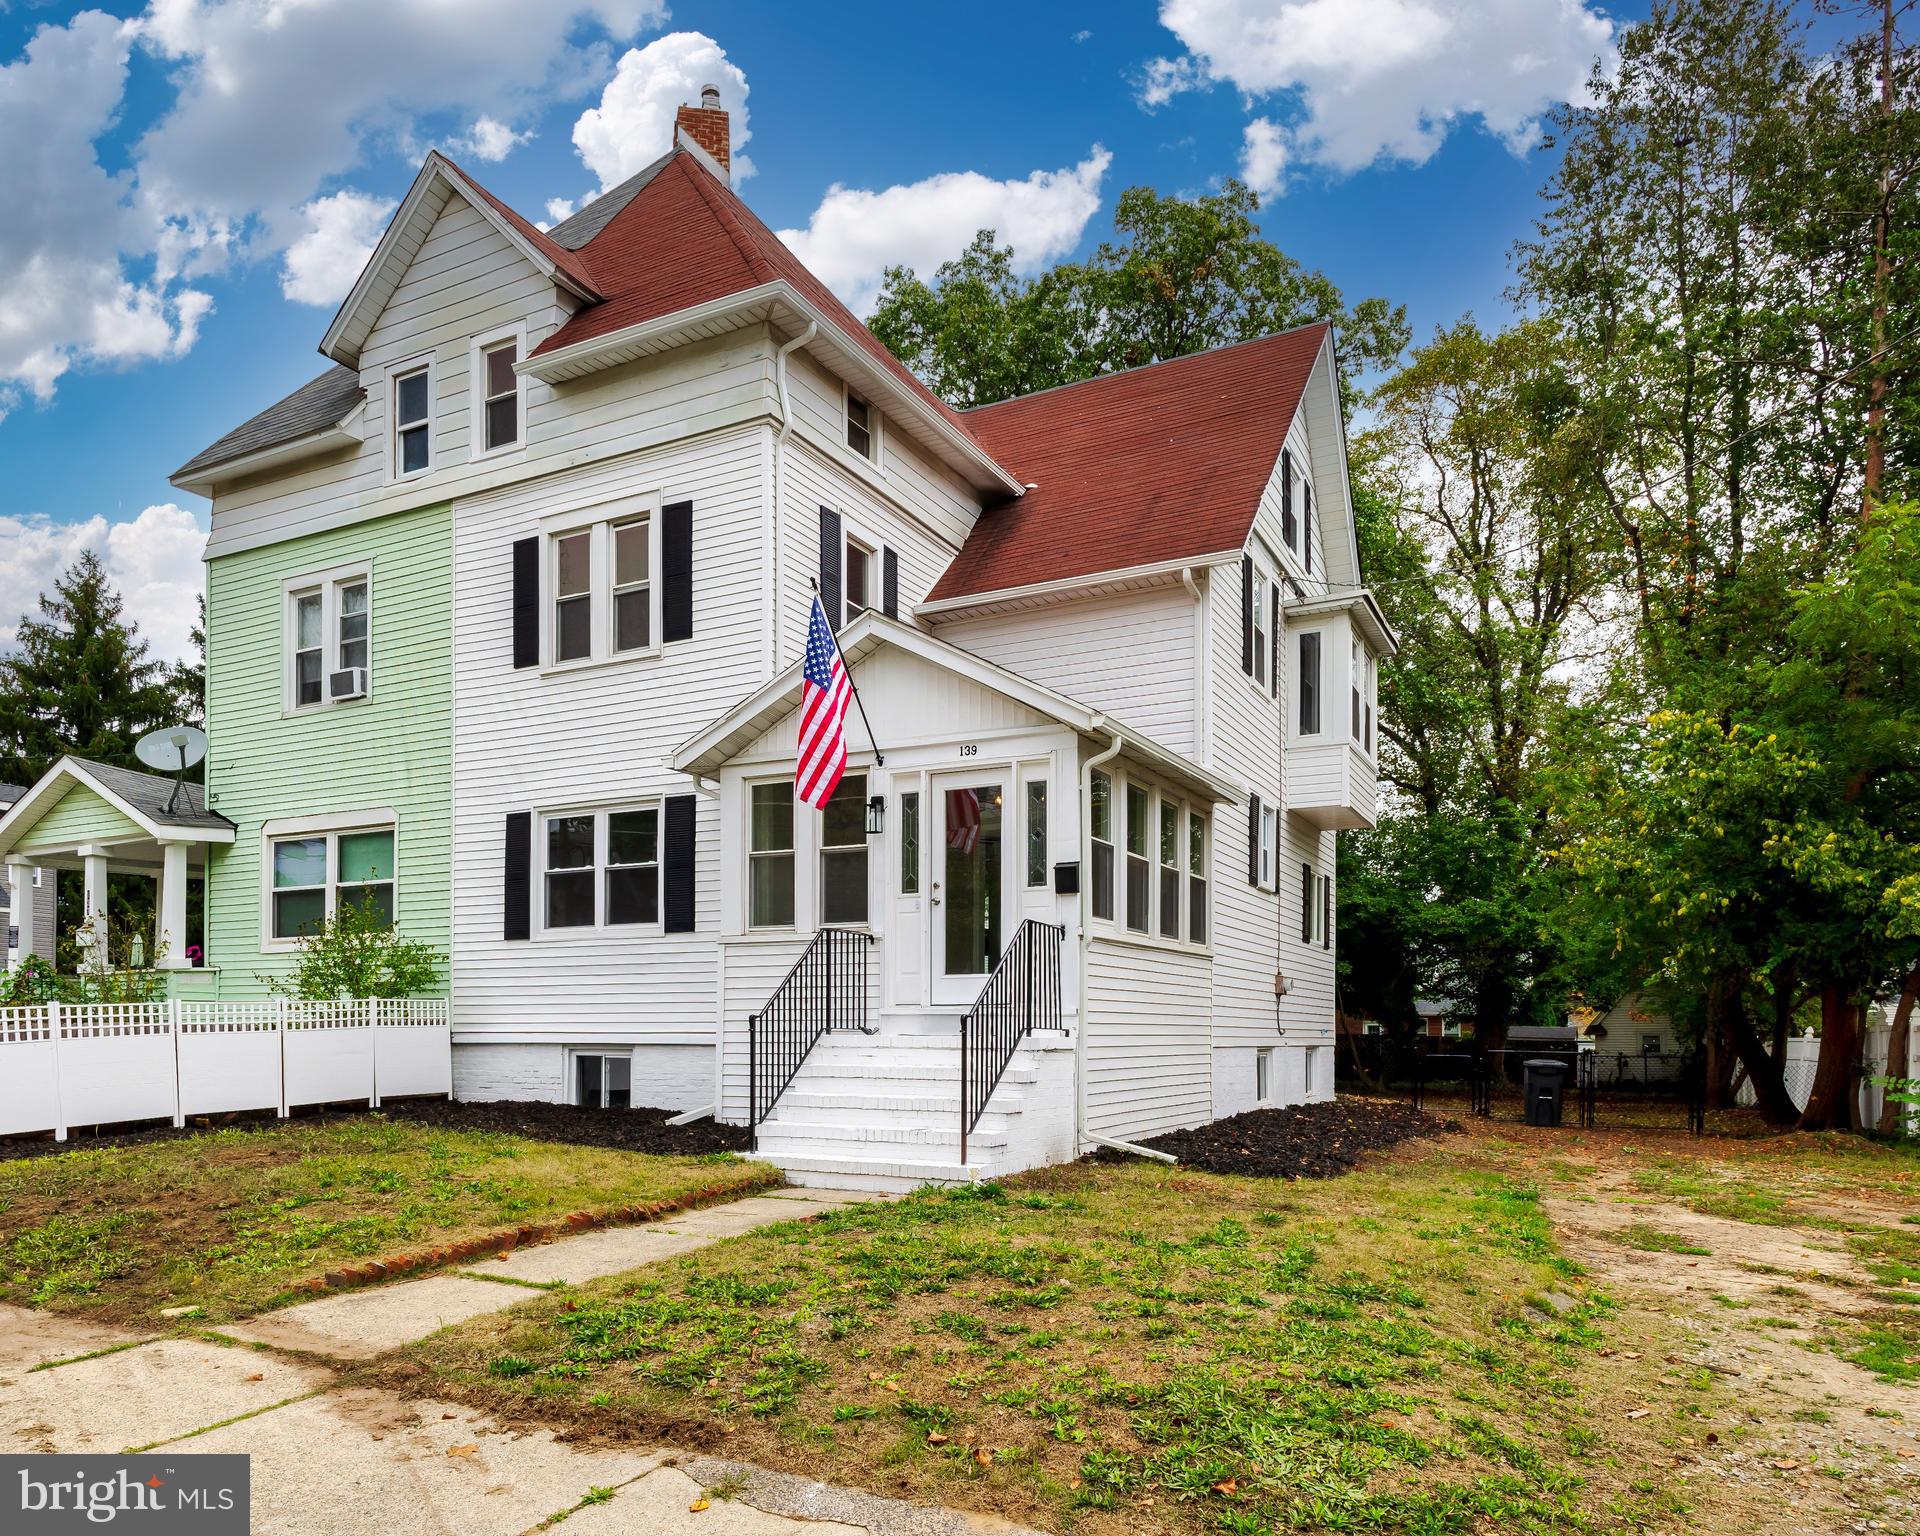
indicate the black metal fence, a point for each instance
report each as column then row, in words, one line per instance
column 826, row 989
column 1654, row 1089
column 1022, row 995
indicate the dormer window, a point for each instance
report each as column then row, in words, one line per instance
column 859, row 426
column 412, row 420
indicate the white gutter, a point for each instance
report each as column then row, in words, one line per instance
column 779, row 454
column 1081, row 1133
column 1069, row 585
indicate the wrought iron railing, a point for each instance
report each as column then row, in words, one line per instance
column 826, row 989
column 1022, row 995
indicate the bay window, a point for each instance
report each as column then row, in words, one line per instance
column 1310, row 683
column 1100, row 819
column 1196, row 877
column 1139, row 888
column 1169, row 869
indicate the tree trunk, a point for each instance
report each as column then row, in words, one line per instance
column 1834, row 1103
column 1727, row 1020
column 1891, row 1114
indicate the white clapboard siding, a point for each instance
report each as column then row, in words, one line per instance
column 1131, row 655
column 1148, row 1061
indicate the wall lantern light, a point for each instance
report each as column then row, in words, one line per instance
column 876, row 815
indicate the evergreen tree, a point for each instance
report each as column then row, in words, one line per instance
column 80, row 680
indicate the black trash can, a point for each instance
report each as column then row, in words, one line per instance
column 1546, row 1086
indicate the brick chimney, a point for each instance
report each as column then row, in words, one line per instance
column 706, row 125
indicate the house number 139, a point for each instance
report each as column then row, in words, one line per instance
column 970, row 749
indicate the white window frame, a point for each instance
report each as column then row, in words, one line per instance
column 1263, row 590
column 332, row 828
column 1201, row 876
column 1112, row 843
column 395, row 372
column 822, row 848
column 853, row 540
column 1269, row 847
column 1169, row 814
column 792, row 852
column 1147, row 855
column 328, row 584
column 477, row 392
column 598, row 522
column 606, row 1054
column 847, row 397
column 1263, row 1075
column 1298, row 701
column 1160, row 800
column 600, row 867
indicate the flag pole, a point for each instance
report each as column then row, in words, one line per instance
column 879, row 757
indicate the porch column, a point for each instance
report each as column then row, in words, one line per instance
column 95, row 860
column 171, row 939
column 21, row 913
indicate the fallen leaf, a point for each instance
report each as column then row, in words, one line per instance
column 448, row 1415
column 1629, row 1354
column 982, row 1457
column 463, row 1450
column 697, row 1505
column 258, row 1376
column 934, row 1437
column 1783, row 1465
column 1228, row 1488
column 1906, row 1455
column 1638, row 1413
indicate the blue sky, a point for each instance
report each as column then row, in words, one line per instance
column 182, row 158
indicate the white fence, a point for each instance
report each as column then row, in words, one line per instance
column 67, row 1064
column 1803, row 1057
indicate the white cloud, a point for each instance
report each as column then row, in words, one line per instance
column 65, row 298
column 341, row 232
column 1263, row 156
column 153, row 561
column 633, row 125
column 558, row 210
column 855, row 235
column 490, row 139
column 1384, row 79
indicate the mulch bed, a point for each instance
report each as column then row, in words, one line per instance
column 627, row 1130
column 1305, row 1141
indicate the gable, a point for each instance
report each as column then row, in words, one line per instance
column 78, row 816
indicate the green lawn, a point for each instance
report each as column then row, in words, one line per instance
column 1111, row 1348
column 232, row 1220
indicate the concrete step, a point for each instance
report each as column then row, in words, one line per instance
column 896, row 1176
column 860, row 1138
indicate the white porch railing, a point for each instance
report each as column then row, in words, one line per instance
column 67, row 1064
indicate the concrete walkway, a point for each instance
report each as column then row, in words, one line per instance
column 330, row 1459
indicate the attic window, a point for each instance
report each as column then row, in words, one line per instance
column 412, row 423
column 859, row 426
column 503, row 396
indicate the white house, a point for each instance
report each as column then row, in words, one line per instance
column 1111, row 640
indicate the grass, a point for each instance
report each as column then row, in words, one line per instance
column 1651, row 1240
column 1111, row 1348
column 233, row 1220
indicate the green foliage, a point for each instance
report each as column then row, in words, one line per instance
column 357, row 952
column 1183, row 274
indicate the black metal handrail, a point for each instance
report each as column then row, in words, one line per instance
column 826, row 989
column 1022, row 995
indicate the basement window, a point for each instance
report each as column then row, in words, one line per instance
column 603, row 1082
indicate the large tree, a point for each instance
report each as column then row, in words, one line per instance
column 1181, row 275
column 80, row 680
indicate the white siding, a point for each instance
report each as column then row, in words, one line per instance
column 1131, row 655
column 1148, row 1065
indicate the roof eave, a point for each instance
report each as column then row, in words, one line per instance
column 1068, row 586
column 203, row 480
column 75, row 768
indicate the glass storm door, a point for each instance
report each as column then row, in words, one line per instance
column 969, row 893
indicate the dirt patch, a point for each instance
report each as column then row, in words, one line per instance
column 1306, row 1141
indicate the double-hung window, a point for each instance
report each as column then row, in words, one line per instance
column 770, row 856
column 320, row 874
column 411, row 390
column 859, row 425
column 1196, row 877
column 1289, row 525
column 859, row 579
column 1326, row 912
column 602, row 594
column 843, row 852
column 329, row 638
column 1139, row 888
column 602, row 868
column 1269, row 847
column 1316, row 907
column 1100, row 820
column 497, row 392
column 1356, row 675
column 1310, row 683
column 1262, row 640
column 1170, row 877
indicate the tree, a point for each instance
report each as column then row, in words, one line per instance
column 80, row 682
column 1185, row 274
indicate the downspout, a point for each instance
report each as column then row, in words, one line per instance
column 1081, row 1133
column 779, row 454
column 1202, row 671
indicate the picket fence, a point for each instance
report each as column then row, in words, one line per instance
column 85, row 1064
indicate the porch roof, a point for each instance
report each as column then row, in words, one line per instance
column 120, row 805
column 718, row 743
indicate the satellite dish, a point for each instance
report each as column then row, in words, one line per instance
column 172, row 749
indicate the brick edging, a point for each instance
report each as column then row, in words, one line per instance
column 491, row 1244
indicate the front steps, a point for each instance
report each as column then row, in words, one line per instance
column 882, row 1112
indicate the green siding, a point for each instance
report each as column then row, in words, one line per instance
column 393, row 749
column 78, row 816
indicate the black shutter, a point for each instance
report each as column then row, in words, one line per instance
column 676, row 853
column 1306, row 523
column 676, row 571
column 890, row 584
column 526, row 604
column 1246, row 614
column 516, row 881
column 1253, row 840
column 1326, row 911
column 1273, row 639
column 1306, row 903
column 1286, row 496
column 830, row 565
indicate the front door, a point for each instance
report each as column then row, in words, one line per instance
column 970, row 895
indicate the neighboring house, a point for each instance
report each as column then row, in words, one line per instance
column 37, row 937
column 505, row 619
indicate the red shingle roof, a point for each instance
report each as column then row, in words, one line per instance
column 566, row 260
column 1159, row 463
column 685, row 239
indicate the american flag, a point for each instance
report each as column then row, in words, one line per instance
column 963, row 819
column 825, row 692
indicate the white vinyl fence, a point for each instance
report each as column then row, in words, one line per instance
column 68, row 1064
column 1803, row 1057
